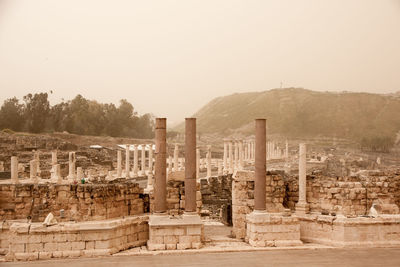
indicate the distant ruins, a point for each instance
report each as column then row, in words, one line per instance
column 154, row 196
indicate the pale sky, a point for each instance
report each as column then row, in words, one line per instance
column 172, row 57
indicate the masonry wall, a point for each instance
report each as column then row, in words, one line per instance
column 349, row 196
column 216, row 194
column 176, row 197
column 80, row 202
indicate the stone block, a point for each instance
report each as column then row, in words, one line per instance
column 170, row 239
column 170, row 246
column 182, row 246
column 45, row 255
column 50, row 247
column 151, row 246
column 57, row 254
column 27, row 256
column 34, row 247
column 193, row 230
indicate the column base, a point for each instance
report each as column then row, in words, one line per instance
column 272, row 230
column 175, row 232
column 302, row 208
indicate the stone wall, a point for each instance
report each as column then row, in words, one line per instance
column 80, row 202
column 349, row 196
column 216, row 194
column 176, row 197
column 32, row 241
column 243, row 197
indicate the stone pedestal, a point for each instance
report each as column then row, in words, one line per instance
column 172, row 232
column 272, row 230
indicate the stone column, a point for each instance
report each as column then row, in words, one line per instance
column 245, row 152
column 287, row 149
column 240, row 154
column 225, row 156
column 208, row 161
column 197, row 163
column 302, row 206
column 53, row 158
column 57, row 173
column 14, row 170
column 230, row 156
column 151, row 158
column 150, row 174
column 143, row 159
column 127, row 162
column 37, row 159
column 71, row 165
column 219, row 164
column 236, row 164
column 160, row 190
column 176, row 160
column 135, row 160
column 119, row 163
column 260, row 166
column 33, row 170
column 190, row 165
column 170, row 168
column 79, row 174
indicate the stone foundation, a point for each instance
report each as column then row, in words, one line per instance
column 175, row 232
column 383, row 231
column 32, row 241
column 272, row 230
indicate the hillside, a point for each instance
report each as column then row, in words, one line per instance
column 296, row 112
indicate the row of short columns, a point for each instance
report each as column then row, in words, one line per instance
column 136, row 171
column 235, row 154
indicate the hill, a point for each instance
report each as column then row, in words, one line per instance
column 297, row 112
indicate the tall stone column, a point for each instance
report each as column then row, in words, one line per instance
column 208, row 161
column 14, row 170
column 236, row 164
column 135, row 160
column 230, row 156
column 53, row 157
column 287, row 149
column 79, row 174
column 150, row 174
column 225, row 156
column 190, row 165
column 57, row 173
column 143, row 159
column 260, row 166
column 302, row 206
column 176, row 158
column 240, row 154
column 33, row 170
column 127, row 162
column 71, row 165
column 197, row 163
column 219, row 165
column 170, row 168
column 37, row 159
column 151, row 158
column 160, row 190
column 119, row 163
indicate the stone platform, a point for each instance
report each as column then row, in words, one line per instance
column 175, row 232
column 272, row 230
column 340, row 231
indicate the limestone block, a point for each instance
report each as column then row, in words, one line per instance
column 182, row 246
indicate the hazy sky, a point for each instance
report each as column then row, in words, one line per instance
column 172, row 57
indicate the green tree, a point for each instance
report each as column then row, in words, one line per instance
column 37, row 110
column 12, row 115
